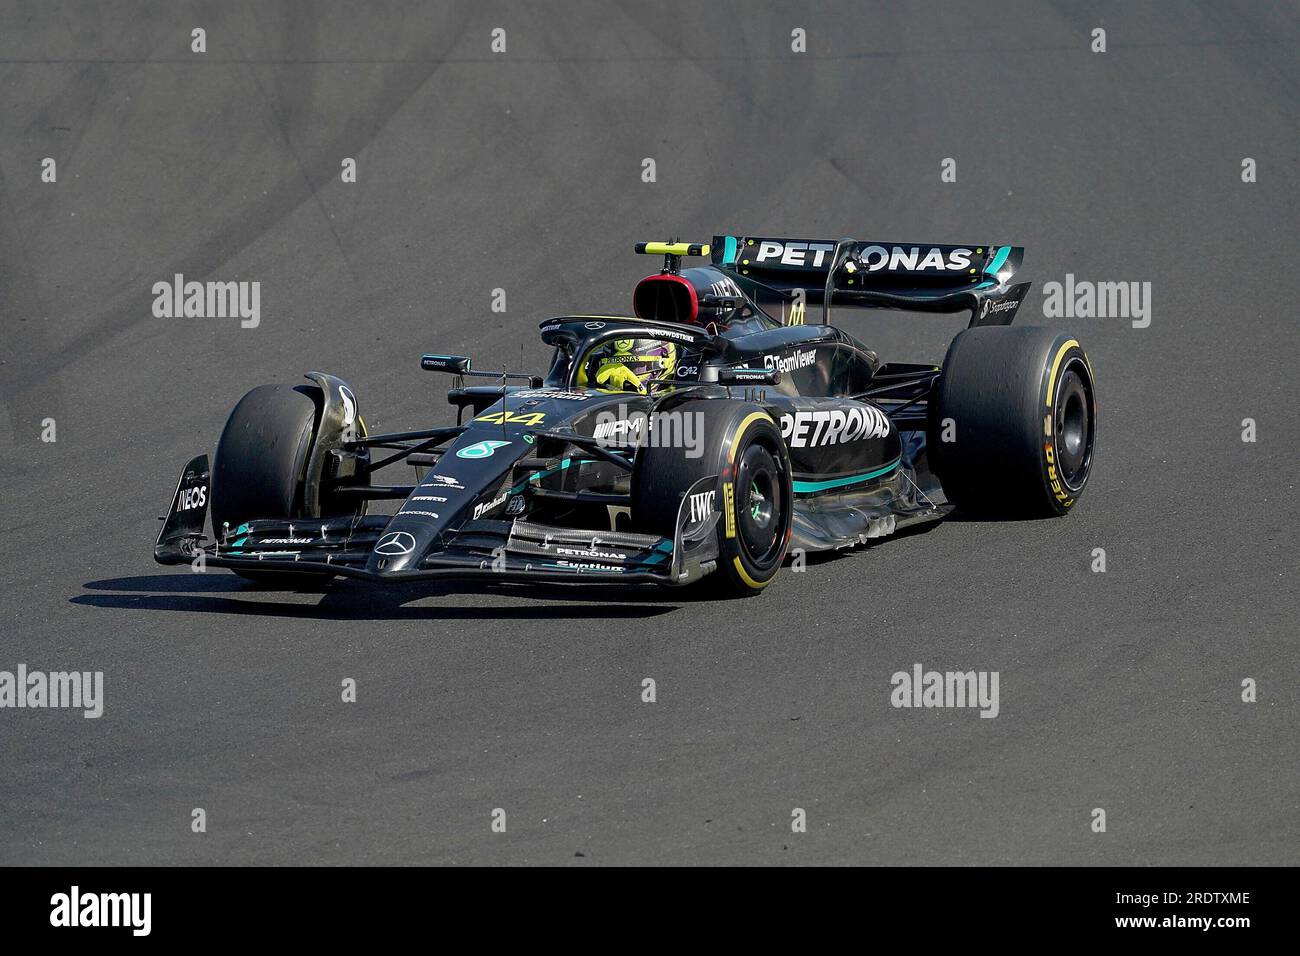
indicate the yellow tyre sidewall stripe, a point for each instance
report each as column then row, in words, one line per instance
column 744, row 576
column 1056, row 367
column 740, row 432
column 1049, row 426
column 731, row 457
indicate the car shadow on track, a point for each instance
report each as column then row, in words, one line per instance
column 346, row 601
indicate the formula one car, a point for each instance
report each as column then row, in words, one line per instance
column 707, row 434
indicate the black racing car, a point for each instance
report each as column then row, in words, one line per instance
column 712, row 431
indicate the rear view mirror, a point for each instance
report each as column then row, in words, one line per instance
column 749, row 376
column 453, row 364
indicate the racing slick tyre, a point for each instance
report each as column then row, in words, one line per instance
column 260, row 464
column 743, row 446
column 1013, row 422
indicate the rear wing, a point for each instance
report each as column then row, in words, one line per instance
column 920, row 277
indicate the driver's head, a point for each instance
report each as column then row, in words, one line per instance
column 629, row 365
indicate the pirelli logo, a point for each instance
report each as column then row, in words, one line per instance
column 1057, row 489
column 729, row 507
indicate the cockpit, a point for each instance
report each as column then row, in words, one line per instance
column 629, row 365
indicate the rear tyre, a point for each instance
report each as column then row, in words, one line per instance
column 1013, row 422
column 261, row 462
column 743, row 446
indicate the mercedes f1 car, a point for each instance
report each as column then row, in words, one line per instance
column 709, row 433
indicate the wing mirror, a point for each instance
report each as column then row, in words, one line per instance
column 749, row 376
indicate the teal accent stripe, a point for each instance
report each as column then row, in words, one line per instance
column 659, row 552
column 729, row 251
column 805, row 487
column 1000, row 258
column 537, row 475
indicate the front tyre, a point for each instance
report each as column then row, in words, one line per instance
column 1013, row 422
column 758, row 504
column 743, row 447
column 260, row 465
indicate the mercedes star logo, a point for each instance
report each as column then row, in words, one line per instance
column 395, row 544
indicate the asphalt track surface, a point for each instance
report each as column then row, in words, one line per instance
column 1118, row 690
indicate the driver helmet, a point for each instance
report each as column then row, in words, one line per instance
column 630, row 365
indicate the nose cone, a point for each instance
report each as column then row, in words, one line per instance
column 470, row 472
column 395, row 547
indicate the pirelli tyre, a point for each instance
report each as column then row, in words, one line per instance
column 261, row 461
column 1013, row 422
column 743, row 447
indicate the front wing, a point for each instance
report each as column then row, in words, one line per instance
column 512, row 550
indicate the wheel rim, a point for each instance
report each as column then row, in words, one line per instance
column 1074, row 425
column 760, row 509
